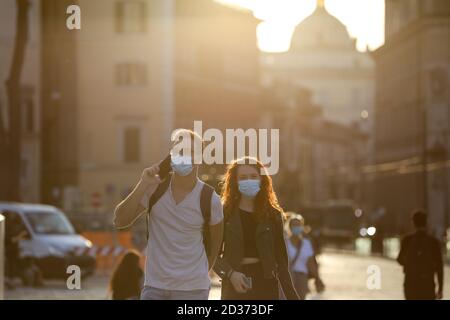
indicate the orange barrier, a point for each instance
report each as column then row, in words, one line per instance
column 109, row 247
column 103, row 238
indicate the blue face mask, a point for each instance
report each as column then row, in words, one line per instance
column 249, row 187
column 297, row 230
column 181, row 165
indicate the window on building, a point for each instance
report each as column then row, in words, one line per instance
column 131, row 16
column 132, row 143
column 129, row 74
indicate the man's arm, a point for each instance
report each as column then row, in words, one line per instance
column 215, row 230
column 221, row 267
column 216, row 236
column 313, row 267
column 402, row 254
column 127, row 211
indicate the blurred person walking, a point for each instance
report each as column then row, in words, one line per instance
column 421, row 258
column 253, row 261
column 127, row 279
column 184, row 228
column 12, row 256
column 303, row 263
column 17, row 265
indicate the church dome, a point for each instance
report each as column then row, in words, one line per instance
column 321, row 30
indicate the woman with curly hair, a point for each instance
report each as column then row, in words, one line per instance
column 253, row 261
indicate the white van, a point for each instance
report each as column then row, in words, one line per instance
column 46, row 238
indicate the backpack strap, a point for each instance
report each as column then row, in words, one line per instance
column 205, row 207
column 154, row 198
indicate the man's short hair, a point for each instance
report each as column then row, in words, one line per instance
column 419, row 218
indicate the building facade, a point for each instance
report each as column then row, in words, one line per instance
column 107, row 99
column 320, row 160
column 115, row 89
column 30, row 95
column 217, row 78
column 323, row 58
column 412, row 114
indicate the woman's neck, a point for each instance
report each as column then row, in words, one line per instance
column 247, row 204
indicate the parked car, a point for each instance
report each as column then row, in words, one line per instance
column 47, row 241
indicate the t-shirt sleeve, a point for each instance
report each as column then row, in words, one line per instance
column 216, row 209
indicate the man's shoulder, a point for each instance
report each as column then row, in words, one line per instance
column 433, row 240
column 214, row 195
column 216, row 204
column 415, row 235
column 408, row 237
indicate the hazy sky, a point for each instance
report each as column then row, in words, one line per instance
column 364, row 19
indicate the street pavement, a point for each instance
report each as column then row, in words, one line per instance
column 345, row 276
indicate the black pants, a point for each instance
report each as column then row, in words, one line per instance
column 419, row 288
column 262, row 289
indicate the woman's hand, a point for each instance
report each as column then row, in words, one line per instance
column 237, row 279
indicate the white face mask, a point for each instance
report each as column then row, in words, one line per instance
column 249, row 187
column 297, row 230
column 181, row 165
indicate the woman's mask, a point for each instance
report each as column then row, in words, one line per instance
column 249, row 187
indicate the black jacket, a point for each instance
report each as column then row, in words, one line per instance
column 271, row 250
column 430, row 264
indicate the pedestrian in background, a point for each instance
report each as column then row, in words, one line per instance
column 253, row 261
column 303, row 263
column 421, row 258
column 127, row 279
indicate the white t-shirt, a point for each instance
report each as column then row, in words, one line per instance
column 176, row 258
column 306, row 252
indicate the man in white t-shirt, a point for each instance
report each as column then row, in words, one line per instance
column 177, row 264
